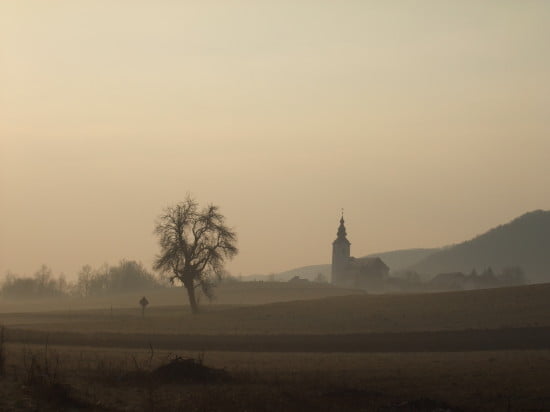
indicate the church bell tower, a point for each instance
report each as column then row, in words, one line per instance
column 340, row 254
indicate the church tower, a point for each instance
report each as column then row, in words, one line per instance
column 340, row 254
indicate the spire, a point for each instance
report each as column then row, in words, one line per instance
column 341, row 234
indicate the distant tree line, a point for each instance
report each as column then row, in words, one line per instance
column 509, row 276
column 412, row 281
column 488, row 278
column 41, row 285
column 127, row 276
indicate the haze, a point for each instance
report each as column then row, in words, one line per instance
column 427, row 121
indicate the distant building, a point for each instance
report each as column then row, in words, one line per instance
column 347, row 271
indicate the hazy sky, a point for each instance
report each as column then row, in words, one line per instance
column 428, row 121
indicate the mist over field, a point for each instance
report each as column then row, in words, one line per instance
column 272, row 206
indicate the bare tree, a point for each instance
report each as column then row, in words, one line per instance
column 194, row 246
column 84, row 280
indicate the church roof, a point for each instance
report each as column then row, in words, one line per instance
column 370, row 262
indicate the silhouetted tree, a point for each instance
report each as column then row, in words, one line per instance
column 44, row 279
column 99, row 283
column 127, row 276
column 194, row 246
column 130, row 275
column 84, row 281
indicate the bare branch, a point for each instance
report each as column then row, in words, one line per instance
column 194, row 245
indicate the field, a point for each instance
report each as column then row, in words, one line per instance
column 238, row 293
column 103, row 379
column 514, row 307
column 475, row 350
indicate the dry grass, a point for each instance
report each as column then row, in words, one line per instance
column 293, row 381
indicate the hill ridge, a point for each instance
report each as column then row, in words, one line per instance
column 524, row 242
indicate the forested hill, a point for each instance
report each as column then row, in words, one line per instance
column 523, row 242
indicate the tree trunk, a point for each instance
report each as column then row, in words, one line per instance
column 192, row 300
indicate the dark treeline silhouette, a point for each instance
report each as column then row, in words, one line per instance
column 127, row 276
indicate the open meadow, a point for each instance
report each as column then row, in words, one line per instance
column 474, row 350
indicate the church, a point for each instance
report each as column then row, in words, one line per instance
column 365, row 273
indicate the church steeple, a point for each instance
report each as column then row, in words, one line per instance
column 340, row 253
column 341, row 234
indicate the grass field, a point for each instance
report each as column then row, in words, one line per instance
column 356, row 352
column 98, row 379
column 514, row 307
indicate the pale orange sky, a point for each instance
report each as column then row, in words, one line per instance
column 428, row 121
